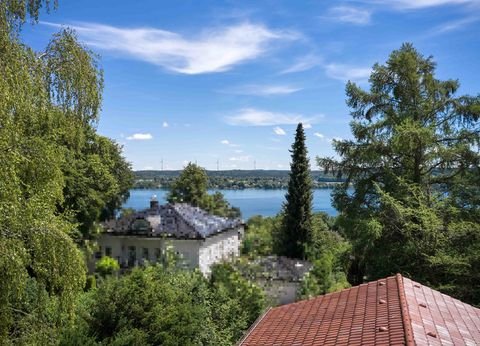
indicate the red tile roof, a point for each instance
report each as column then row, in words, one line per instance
column 391, row 311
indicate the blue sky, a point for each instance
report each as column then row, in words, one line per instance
column 209, row 80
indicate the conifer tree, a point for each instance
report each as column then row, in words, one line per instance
column 297, row 220
column 410, row 202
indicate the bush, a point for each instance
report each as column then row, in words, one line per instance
column 107, row 266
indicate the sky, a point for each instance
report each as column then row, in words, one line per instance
column 224, row 83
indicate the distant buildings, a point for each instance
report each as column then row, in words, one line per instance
column 198, row 238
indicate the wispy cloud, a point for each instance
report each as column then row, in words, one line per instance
column 140, row 137
column 452, row 26
column 279, row 131
column 263, row 90
column 256, row 117
column 165, row 124
column 417, row 4
column 303, row 63
column 349, row 14
column 347, row 72
column 319, row 135
column 213, row 50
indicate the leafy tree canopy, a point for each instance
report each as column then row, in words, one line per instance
column 191, row 187
column 54, row 169
column 413, row 165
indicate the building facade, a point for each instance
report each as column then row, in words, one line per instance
column 198, row 238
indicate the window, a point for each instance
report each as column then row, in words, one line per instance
column 108, row 251
column 98, row 254
column 141, row 225
column 145, row 253
column 158, row 254
column 132, row 256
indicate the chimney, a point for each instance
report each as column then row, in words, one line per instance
column 153, row 202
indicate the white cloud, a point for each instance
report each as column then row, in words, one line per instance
column 140, row 137
column 227, row 142
column 307, row 126
column 304, row 63
column 319, row 135
column 263, row 90
column 347, row 72
column 256, row 117
column 279, row 131
column 417, row 4
column 350, row 14
column 238, row 151
column 452, row 26
column 244, row 158
column 213, row 50
column 165, row 124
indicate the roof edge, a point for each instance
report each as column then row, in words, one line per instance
column 407, row 325
column 252, row 327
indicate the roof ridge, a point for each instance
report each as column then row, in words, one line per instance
column 407, row 324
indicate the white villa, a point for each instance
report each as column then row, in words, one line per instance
column 199, row 238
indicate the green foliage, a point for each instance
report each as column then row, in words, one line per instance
column 107, row 266
column 414, row 168
column 91, row 283
column 297, row 219
column 191, row 187
column 259, row 236
column 49, row 104
column 251, row 299
column 156, row 305
column 329, row 254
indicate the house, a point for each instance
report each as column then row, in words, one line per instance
column 390, row 311
column 280, row 277
column 197, row 237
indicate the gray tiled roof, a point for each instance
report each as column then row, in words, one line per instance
column 179, row 220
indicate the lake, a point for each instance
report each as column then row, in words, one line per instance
column 250, row 201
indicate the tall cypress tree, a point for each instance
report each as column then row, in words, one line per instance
column 297, row 220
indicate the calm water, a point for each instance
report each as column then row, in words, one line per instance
column 250, row 201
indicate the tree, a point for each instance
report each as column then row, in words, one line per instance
column 413, row 166
column 191, row 187
column 297, row 219
column 329, row 253
column 49, row 105
column 166, row 306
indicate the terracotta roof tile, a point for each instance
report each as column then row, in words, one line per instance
column 390, row 311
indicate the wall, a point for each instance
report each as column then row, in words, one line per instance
column 195, row 253
column 222, row 246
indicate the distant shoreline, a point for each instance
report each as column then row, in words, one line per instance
column 235, row 179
